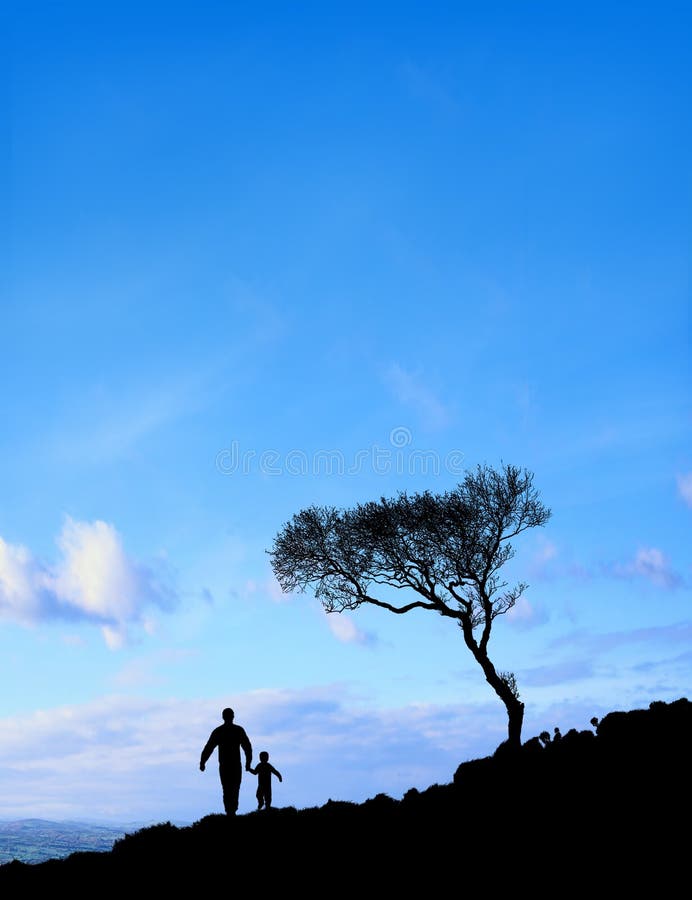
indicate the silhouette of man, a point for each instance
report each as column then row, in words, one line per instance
column 264, row 771
column 230, row 740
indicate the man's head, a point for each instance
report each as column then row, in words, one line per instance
column 228, row 714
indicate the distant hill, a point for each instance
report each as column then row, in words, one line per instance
column 604, row 809
column 37, row 840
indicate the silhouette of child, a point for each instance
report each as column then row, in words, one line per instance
column 264, row 771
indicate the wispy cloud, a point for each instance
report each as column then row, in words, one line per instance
column 148, row 670
column 682, row 661
column 590, row 643
column 265, row 587
column 345, row 630
column 651, row 564
column 23, row 584
column 543, row 558
column 129, row 759
column 125, row 759
column 411, row 391
column 429, row 88
column 94, row 580
column 524, row 615
column 108, row 424
column 559, row 673
column 685, row 487
column 648, row 563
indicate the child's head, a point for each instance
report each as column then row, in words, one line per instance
column 264, row 756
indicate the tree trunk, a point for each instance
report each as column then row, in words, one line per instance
column 508, row 695
column 515, row 720
column 514, row 707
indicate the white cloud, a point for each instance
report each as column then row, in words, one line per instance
column 524, row 615
column 546, row 552
column 128, row 759
column 410, row 390
column 95, row 575
column 649, row 563
column 21, row 584
column 557, row 673
column 275, row 590
column 268, row 586
column 652, row 564
column 115, row 638
column 146, row 670
column 345, row 630
column 110, row 424
column 94, row 580
column 542, row 565
column 685, row 487
column 590, row 644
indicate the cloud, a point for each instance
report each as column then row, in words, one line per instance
column 653, row 565
column 541, row 564
column 125, row 759
column 550, row 563
column 95, row 580
column 685, row 487
column 22, row 584
column 267, row 586
column 682, row 661
column 95, row 575
column 129, row 759
column 146, row 670
column 428, row 87
column 560, row 673
column 547, row 550
column 345, row 630
column 275, row 591
column 524, row 615
column 111, row 424
column 410, row 391
column 662, row 635
column 649, row 563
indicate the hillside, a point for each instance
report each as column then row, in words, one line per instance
column 604, row 808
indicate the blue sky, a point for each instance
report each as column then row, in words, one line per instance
column 264, row 256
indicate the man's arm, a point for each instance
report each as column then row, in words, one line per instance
column 208, row 750
column 247, row 749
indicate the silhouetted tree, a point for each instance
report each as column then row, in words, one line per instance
column 447, row 548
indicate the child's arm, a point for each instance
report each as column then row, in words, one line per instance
column 277, row 773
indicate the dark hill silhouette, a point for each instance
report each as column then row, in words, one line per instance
column 604, row 809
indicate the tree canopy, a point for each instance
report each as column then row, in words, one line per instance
column 447, row 549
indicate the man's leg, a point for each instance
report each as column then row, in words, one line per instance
column 230, row 785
